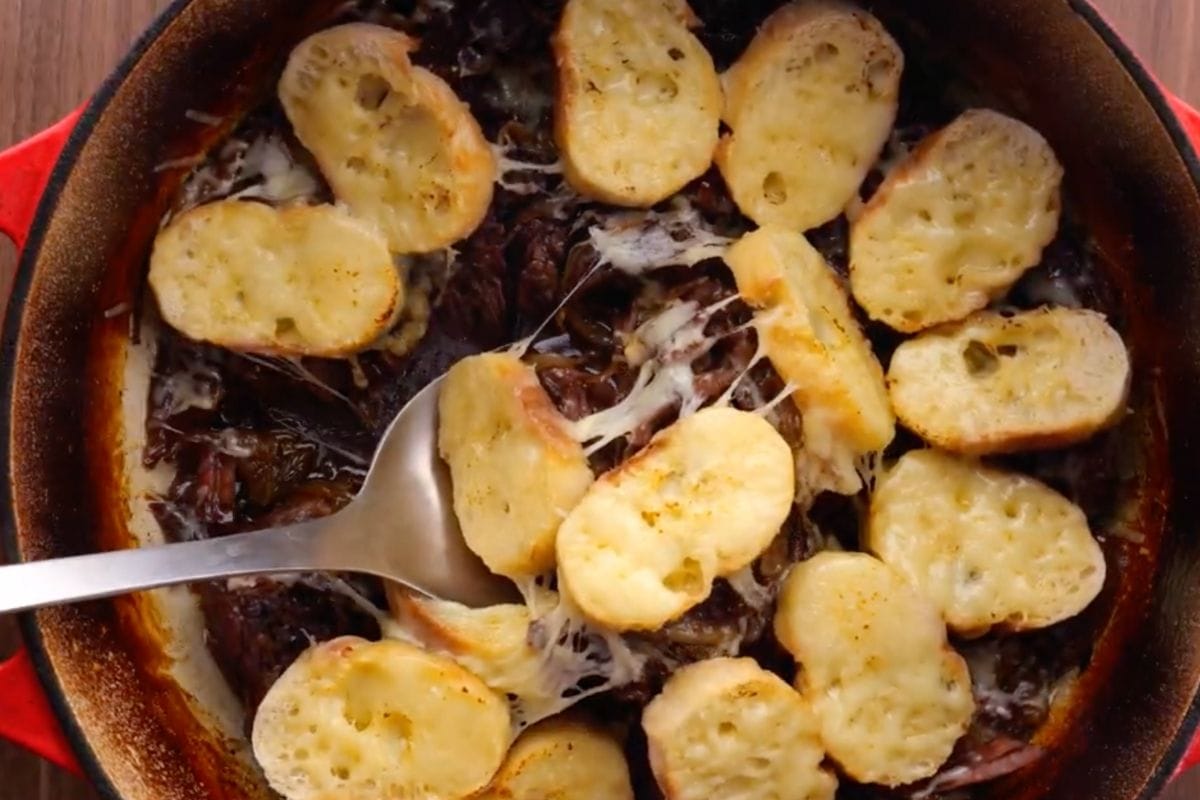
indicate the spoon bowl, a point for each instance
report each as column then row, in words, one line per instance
column 400, row 527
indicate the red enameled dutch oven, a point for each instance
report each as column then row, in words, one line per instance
column 116, row 689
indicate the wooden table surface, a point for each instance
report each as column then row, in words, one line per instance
column 54, row 52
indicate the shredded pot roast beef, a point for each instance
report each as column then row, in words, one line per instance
column 257, row 441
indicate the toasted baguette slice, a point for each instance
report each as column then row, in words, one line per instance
column 492, row 643
column 957, row 223
column 703, row 499
column 543, row 657
column 393, row 140
column 305, row 280
column 810, row 104
column 361, row 720
column 804, row 320
column 892, row 696
column 562, row 759
column 515, row 470
column 727, row 728
column 989, row 548
column 994, row 383
column 639, row 101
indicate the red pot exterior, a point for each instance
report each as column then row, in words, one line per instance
column 1189, row 118
column 24, row 171
column 26, row 719
column 1126, row 157
column 25, row 716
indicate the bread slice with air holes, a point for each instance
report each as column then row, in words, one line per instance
column 989, row 548
column 639, row 101
column 999, row 383
column 562, row 759
column 361, row 720
column 810, row 105
column 540, row 656
column 803, row 318
column 395, row 143
column 491, row 642
column 703, row 499
column 303, row 280
column 727, row 728
column 891, row 695
column 957, row 223
column 515, row 470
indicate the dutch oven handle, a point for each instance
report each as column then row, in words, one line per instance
column 25, row 717
column 24, row 170
column 1190, row 118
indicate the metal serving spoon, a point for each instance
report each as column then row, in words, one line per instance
column 400, row 527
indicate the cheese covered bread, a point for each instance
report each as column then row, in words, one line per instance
column 639, row 101
column 804, row 321
column 727, row 728
column 515, row 470
column 360, row 720
column 395, row 143
column 955, row 224
column 810, row 104
column 305, row 280
column 492, row 643
column 702, row 500
column 989, row 548
column 999, row 383
column 891, row 695
column 562, row 759
column 543, row 657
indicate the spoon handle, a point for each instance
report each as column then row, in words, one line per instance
column 293, row 548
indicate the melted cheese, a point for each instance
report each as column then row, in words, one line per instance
column 283, row 178
column 574, row 653
column 665, row 346
column 293, row 368
column 264, row 161
column 513, row 173
column 638, row 242
column 753, row 593
column 521, row 347
column 982, row 658
column 423, row 278
column 171, row 616
column 194, row 387
column 543, row 672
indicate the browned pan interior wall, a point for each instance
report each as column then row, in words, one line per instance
column 68, row 495
column 1037, row 57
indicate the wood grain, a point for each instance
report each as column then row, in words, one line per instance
column 53, row 53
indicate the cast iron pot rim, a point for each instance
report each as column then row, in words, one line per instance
column 30, row 630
